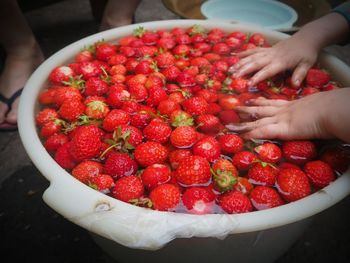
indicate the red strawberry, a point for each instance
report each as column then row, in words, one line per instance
column 228, row 117
column 317, row 77
column 239, row 85
column 336, row 158
column 66, row 93
column 155, row 175
column 319, row 173
column 235, row 202
column 243, row 185
column 149, row 153
column 193, row 170
column 96, row 107
column 185, row 80
column 224, row 175
column 61, row 74
column 55, row 141
column 293, row 184
column 114, row 119
column 155, row 96
column 90, row 69
column 195, row 106
column 101, row 182
column 257, row 39
column 183, row 137
column 269, row 152
column 104, row 50
column 229, row 102
column 45, row 115
column 264, row 197
column 165, row 60
column 128, row 188
column 87, row 169
column 198, row 200
column 157, row 131
column 243, row 160
column 230, row 143
column 262, row 174
column 167, row 107
column 95, row 86
column 165, row 197
column 117, row 95
column 120, row 164
column 51, row 127
column 71, row 110
column 83, row 56
column 46, row 97
column 176, row 156
column 180, row 118
column 299, row 152
column 208, row 147
column 208, row 123
column 140, row 120
column 86, row 143
column 64, row 158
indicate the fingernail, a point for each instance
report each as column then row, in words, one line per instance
column 297, row 82
column 236, row 127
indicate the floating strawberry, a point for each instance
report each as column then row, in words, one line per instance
column 120, row 164
column 61, row 74
column 165, row 197
column 230, row 143
column 268, row 152
column 235, row 202
column 101, row 182
column 128, row 188
column 149, row 153
column 208, row 147
column 198, row 200
column 319, row 173
column 157, row 130
column 176, row 156
column 264, row 197
column 299, row 152
column 317, row 77
column 154, row 175
column 183, row 137
column 87, row 169
column 243, row 160
column 193, row 170
column 293, row 184
column 262, row 173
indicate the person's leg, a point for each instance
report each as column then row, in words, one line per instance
column 118, row 13
column 23, row 55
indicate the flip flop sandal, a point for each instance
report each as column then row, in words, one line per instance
column 5, row 126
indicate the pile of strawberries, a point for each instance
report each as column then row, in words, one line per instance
column 143, row 120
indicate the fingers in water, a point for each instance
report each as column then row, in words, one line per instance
column 261, row 101
column 258, row 112
column 299, row 73
column 248, row 126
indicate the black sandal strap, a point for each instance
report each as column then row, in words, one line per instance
column 9, row 101
column 14, row 96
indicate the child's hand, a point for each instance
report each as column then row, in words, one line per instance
column 321, row 115
column 294, row 54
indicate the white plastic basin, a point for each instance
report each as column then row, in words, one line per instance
column 132, row 234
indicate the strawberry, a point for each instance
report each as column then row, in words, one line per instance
column 228, row 117
column 264, row 197
column 293, row 184
column 268, row 152
column 71, row 110
column 176, row 156
column 90, row 69
column 101, row 182
column 195, row 106
column 157, row 131
column 198, row 200
column 229, row 102
column 167, row 107
column 262, row 173
column 299, row 152
column 60, row 74
column 317, row 77
column 193, row 170
column 185, row 79
column 146, row 67
column 155, row 96
column 208, row 147
column 208, row 123
column 319, row 173
column 83, row 56
column 165, row 197
column 87, row 169
column 224, row 175
column 46, row 97
column 243, row 160
column 336, row 158
column 51, row 127
column 86, row 143
column 165, row 60
column 54, row 141
column 140, row 120
column 180, row 118
column 120, row 164
column 243, row 185
column 149, row 153
column 166, row 43
column 66, row 93
column 64, row 158
column 128, row 188
column 114, row 119
column 104, row 50
column 154, row 175
column 171, row 73
column 45, row 115
column 235, row 202
column 230, row 143
column 96, row 107
column 95, row 86
column 117, row 95
column 257, row 39
column 239, row 85
column 183, row 137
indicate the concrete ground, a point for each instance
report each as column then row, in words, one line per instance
column 32, row 232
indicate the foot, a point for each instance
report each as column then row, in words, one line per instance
column 18, row 68
column 109, row 23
